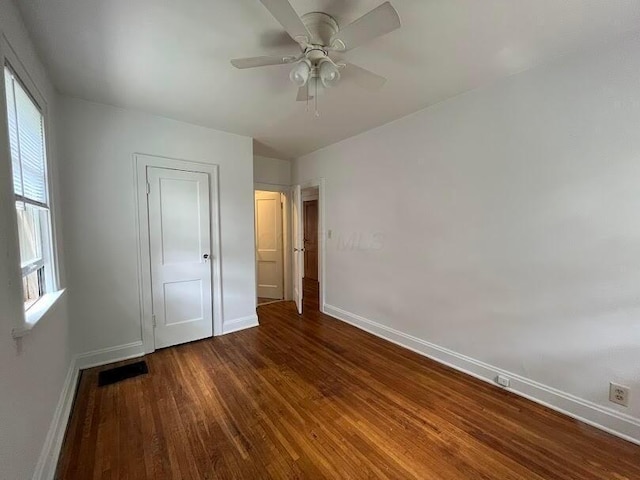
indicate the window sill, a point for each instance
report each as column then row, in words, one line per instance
column 37, row 312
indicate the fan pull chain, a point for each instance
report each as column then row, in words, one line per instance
column 316, row 99
column 307, row 109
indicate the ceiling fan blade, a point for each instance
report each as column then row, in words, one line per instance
column 284, row 13
column 303, row 94
column 363, row 77
column 261, row 61
column 377, row 22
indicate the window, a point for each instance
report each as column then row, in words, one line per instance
column 28, row 164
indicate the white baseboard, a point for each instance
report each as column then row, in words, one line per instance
column 48, row 460
column 240, row 324
column 611, row 421
column 104, row 356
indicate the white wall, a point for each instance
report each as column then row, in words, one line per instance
column 271, row 171
column 32, row 370
column 502, row 225
column 100, row 225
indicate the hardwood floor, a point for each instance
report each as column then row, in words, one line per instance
column 311, row 296
column 313, row 398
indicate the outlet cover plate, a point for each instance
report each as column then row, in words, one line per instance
column 503, row 381
column 619, row 394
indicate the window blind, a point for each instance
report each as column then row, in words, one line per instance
column 26, row 135
column 13, row 133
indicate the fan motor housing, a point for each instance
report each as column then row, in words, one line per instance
column 321, row 26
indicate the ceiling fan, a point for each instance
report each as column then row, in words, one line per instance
column 318, row 36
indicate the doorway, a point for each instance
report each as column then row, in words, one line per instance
column 269, row 241
column 308, row 288
column 310, row 221
column 311, row 239
column 178, row 223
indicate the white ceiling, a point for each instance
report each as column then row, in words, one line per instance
column 171, row 57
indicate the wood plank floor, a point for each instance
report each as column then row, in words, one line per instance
column 315, row 398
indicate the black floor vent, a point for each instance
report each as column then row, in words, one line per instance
column 115, row 375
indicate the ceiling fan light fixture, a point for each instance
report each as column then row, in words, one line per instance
column 329, row 73
column 319, row 35
column 301, row 72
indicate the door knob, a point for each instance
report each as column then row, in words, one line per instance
column 206, row 256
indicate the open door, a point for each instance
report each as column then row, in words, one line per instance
column 298, row 249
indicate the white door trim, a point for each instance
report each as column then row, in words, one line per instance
column 280, row 255
column 140, row 163
column 322, row 235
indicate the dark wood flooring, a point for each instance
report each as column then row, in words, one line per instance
column 312, row 397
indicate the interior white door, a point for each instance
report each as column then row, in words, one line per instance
column 298, row 249
column 180, row 247
column 269, row 258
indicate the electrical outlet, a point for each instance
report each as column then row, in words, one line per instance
column 503, row 381
column 619, row 394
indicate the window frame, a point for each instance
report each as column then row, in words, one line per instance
column 53, row 290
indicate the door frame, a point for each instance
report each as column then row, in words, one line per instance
column 141, row 162
column 279, row 240
column 322, row 235
column 286, row 228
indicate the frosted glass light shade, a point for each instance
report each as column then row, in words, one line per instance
column 300, row 73
column 329, row 74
